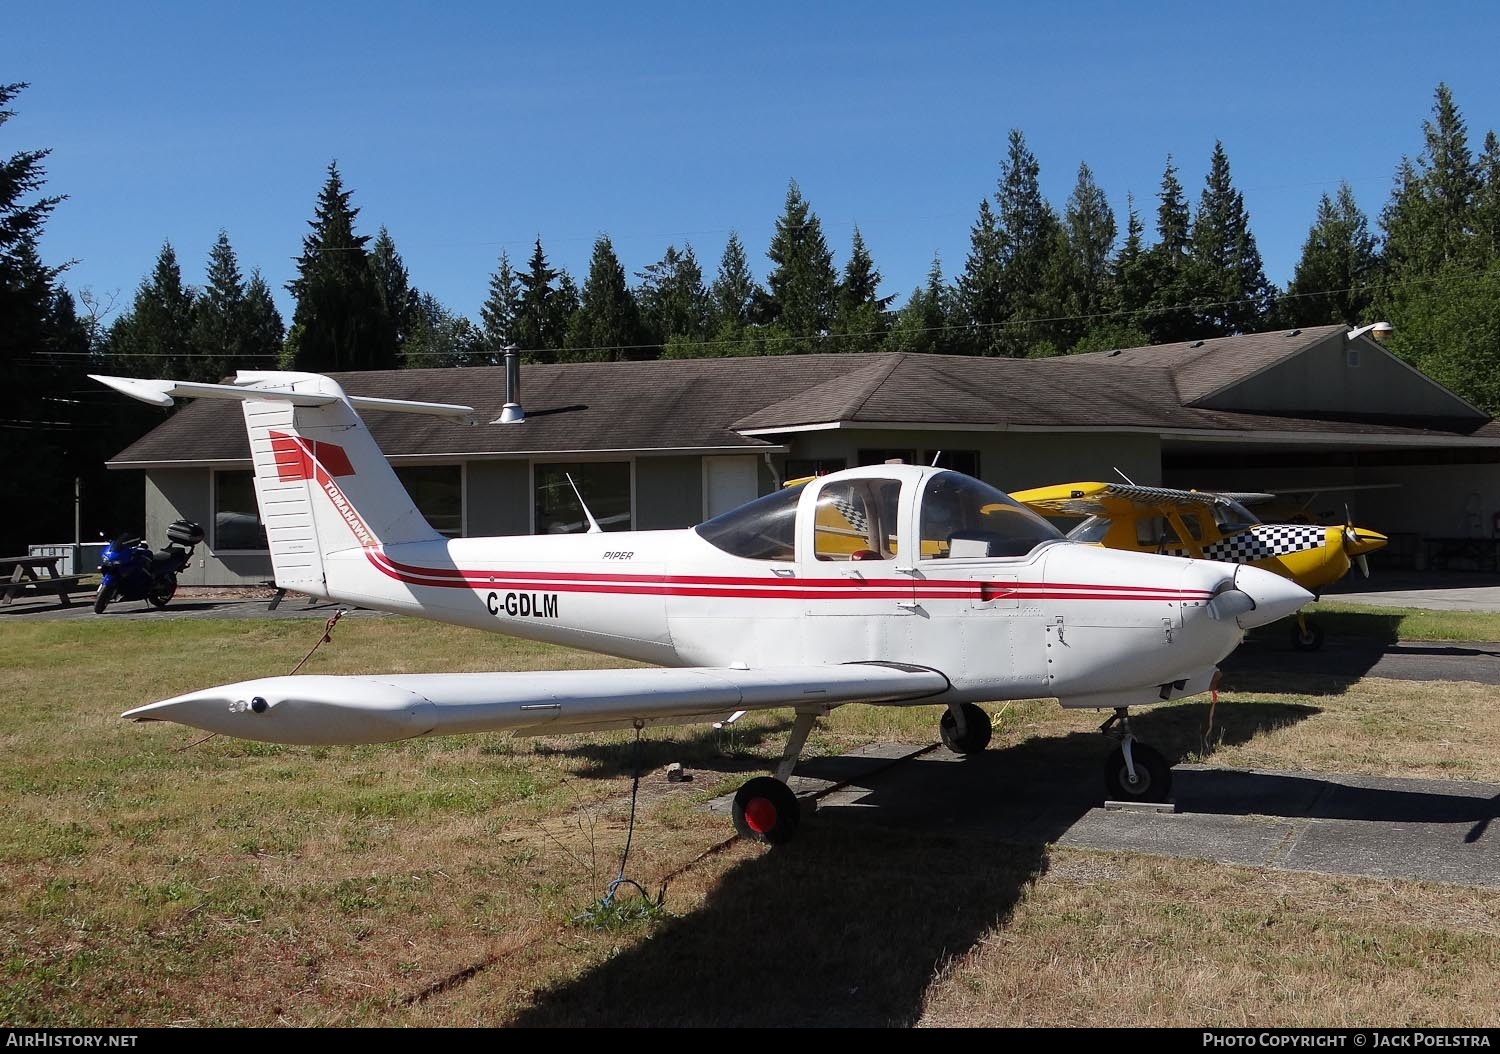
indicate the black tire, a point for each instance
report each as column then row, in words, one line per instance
column 103, row 597
column 162, row 591
column 1312, row 640
column 977, row 730
column 766, row 810
column 1153, row 776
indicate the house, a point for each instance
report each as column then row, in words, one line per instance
column 670, row 443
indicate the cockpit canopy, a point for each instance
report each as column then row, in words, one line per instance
column 863, row 517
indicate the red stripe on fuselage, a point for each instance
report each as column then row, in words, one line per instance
column 759, row 588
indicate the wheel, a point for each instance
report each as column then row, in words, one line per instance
column 1309, row 638
column 103, row 597
column 1153, row 776
column 976, row 733
column 162, row 590
column 766, row 810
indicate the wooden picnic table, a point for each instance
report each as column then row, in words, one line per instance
column 18, row 574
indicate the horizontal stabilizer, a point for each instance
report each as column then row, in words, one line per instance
column 273, row 386
column 374, row 709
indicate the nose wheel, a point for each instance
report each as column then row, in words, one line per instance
column 1133, row 771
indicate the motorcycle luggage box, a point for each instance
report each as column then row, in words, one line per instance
column 185, row 532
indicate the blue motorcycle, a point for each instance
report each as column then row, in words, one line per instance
column 132, row 571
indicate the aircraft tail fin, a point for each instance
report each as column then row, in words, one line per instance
column 322, row 484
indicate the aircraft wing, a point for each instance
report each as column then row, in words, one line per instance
column 326, row 710
column 1114, row 499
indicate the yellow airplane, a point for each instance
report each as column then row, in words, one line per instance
column 1210, row 526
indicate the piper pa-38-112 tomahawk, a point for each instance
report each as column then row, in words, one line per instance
column 954, row 595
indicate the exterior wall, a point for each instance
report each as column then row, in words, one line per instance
column 1319, row 382
column 1008, row 460
column 498, row 498
column 186, row 493
column 668, row 492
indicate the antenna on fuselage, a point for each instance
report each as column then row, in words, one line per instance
column 1122, row 475
column 935, row 458
column 594, row 527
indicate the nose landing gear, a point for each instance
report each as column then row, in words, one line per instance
column 1133, row 771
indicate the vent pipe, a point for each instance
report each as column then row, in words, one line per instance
column 512, row 414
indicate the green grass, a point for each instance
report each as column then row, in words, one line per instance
column 1393, row 624
column 148, row 877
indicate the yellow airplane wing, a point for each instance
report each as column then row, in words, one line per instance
column 1115, row 500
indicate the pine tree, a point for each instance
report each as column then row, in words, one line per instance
column 26, row 285
column 340, row 322
column 1033, row 257
column 675, row 307
column 501, row 308
column 155, row 338
column 1430, row 219
column 1091, row 243
column 607, row 325
column 437, row 338
column 397, row 297
column 263, row 333
column 218, row 316
column 536, row 331
column 1228, row 279
column 1487, row 201
column 982, row 304
column 860, row 316
column 1333, row 281
column 802, row 282
column 734, row 287
column 1165, row 272
column 923, row 325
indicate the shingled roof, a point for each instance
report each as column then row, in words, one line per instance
column 1201, row 368
column 708, row 405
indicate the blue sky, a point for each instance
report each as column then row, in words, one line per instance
column 467, row 128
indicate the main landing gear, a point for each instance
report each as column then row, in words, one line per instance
column 965, row 728
column 1133, row 771
column 765, row 809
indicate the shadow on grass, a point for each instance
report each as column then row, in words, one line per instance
column 836, row 929
column 730, row 749
column 851, row 924
column 1381, row 626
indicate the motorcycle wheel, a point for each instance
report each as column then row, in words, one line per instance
column 162, row 591
column 103, row 597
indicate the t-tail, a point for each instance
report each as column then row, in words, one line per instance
column 323, row 486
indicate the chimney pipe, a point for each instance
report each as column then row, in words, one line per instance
column 512, row 414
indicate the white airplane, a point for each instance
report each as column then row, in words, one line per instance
column 895, row 585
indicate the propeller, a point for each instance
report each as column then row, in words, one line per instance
column 1358, row 542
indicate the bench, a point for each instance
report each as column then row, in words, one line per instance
column 59, row 586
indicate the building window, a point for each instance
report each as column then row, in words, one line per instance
column 438, row 493
column 237, row 525
column 806, row 467
column 881, row 457
column 604, row 485
column 965, row 461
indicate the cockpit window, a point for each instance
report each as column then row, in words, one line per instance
column 764, row 529
column 856, row 519
column 963, row 517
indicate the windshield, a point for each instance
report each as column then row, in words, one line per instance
column 963, row 517
column 1231, row 516
column 764, row 529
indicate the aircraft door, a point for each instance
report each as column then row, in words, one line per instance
column 853, row 532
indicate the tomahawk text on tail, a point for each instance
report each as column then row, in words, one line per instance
column 891, row 584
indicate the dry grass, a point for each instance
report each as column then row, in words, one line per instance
column 146, row 880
